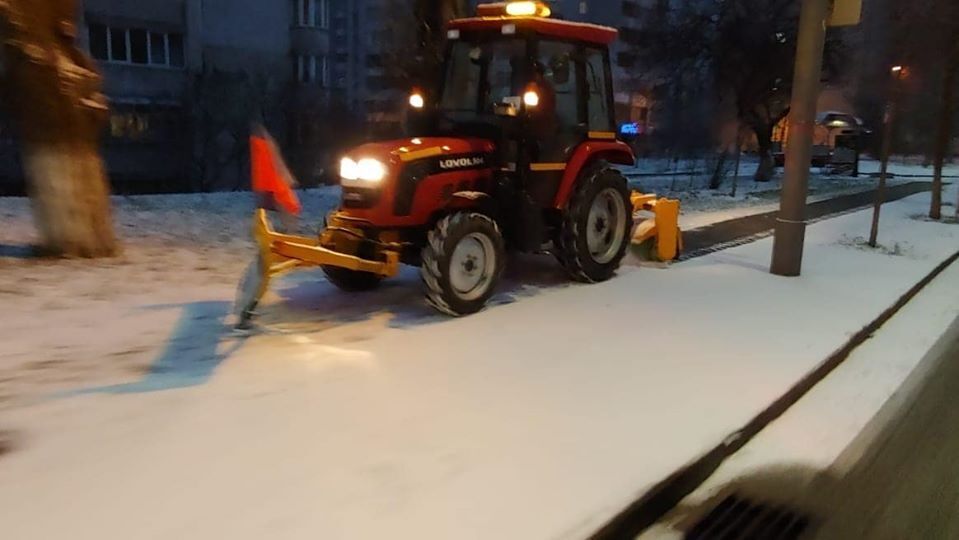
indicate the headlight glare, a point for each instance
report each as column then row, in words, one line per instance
column 371, row 170
column 349, row 169
column 362, row 173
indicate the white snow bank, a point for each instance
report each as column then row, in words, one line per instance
column 540, row 418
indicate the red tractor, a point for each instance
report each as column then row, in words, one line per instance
column 514, row 151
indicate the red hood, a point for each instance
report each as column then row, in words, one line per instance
column 404, row 150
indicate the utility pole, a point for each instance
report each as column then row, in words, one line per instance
column 888, row 133
column 791, row 223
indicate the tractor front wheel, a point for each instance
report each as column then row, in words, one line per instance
column 462, row 263
column 597, row 227
column 351, row 280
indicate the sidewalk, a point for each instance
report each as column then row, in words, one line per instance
column 537, row 419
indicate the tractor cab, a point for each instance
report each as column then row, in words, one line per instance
column 537, row 88
column 513, row 148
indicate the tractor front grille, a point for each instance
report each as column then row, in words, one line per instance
column 359, row 198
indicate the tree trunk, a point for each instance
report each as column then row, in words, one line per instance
column 767, row 165
column 739, row 157
column 944, row 134
column 719, row 171
column 53, row 91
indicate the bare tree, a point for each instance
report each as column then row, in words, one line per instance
column 432, row 16
column 418, row 26
column 935, row 51
column 223, row 105
column 947, row 111
column 744, row 48
column 53, row 92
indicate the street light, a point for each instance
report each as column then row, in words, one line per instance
column 791, row 221
column 899, row 73
column 814, row 17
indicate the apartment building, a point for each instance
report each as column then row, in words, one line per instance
column 185, row 77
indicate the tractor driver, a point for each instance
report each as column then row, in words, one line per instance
column 544, row 122
column 544, row 115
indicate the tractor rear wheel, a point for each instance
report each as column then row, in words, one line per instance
column 597, row 227
column 462, row 263
column 351, row 280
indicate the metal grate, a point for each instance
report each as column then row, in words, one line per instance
column 737, row 518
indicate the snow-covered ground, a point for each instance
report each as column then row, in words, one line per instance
column 67, row 323
column 368, row 416
column 183, row 248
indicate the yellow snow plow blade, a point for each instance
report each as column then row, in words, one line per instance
column 279, row 253
column 660, row 235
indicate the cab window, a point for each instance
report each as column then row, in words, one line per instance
column 480, row 74
column 598, row 90
column 557, row 67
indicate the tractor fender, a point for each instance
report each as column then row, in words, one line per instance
column 472, row 200
column 612, row 151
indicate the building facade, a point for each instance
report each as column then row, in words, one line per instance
column 186, row 77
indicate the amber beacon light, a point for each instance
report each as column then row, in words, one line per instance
column 515, row 9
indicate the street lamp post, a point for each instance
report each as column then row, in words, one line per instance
column 898, row 72
column 791, row 223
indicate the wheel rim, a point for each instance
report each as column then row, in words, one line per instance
column 605, row 226
column 472, row 266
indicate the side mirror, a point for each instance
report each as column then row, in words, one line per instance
column 509, row 107
column 506, row 110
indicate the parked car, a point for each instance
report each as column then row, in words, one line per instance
column 835, row 139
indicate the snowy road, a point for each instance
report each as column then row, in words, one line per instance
column 538, row 418
column 183, row 255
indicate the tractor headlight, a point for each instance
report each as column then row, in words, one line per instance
column 362, row 172
column 349, row 170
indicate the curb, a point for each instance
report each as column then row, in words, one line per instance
column 664, row 496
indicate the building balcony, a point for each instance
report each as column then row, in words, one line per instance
column 126, row 82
